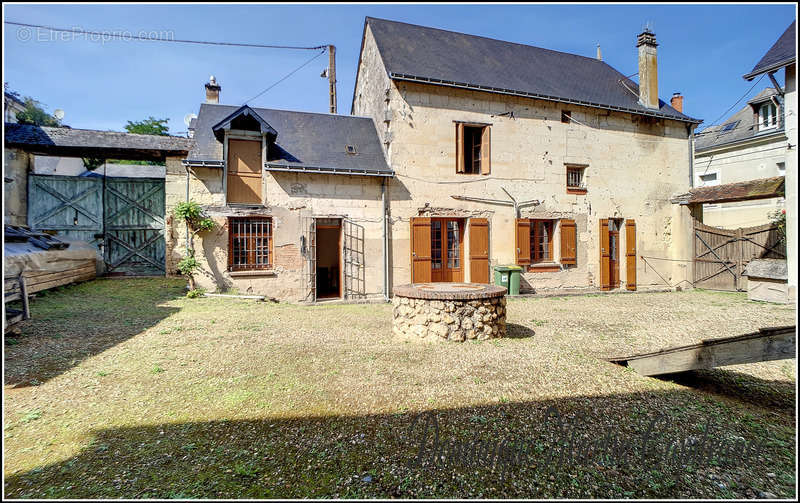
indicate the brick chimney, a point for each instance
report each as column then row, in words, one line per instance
column 648, row 69
column 212, row 90
column 676, row 102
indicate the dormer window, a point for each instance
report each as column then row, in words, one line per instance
column 767, row 116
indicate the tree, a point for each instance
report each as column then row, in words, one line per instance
column 151, row 125
column 35, row 115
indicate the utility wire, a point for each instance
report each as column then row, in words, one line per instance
column 110, row 34
column 286, row 76
column 737, row 102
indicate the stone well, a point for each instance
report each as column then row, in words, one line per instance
column 451, row 311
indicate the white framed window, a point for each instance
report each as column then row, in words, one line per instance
column 767, row 116
column 781, row 168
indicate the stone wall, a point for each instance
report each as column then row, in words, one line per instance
column 634, row 165
column 290, row 200
column 16, row 165
column 453, row 320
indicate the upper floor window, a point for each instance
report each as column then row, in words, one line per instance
column 575, row 180
column 244, row 171
column 781, row 168
column 473, row 148
column 708, row 179
column 767, row 116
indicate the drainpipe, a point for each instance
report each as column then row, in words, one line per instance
column 690, row 127
column 187, row 200
column 385, row 244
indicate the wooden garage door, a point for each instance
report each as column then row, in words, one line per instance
column 244, row 172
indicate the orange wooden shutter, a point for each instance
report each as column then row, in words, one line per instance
column 523, row 241
column 244, row 171
column 420, row 250
column 630, row 254
column 479, row 250
column 568, row 242
column 459, row 147
column 486, row 151
column 605, row 255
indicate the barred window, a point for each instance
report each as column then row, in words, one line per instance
column 575, row 181
column 250, row 244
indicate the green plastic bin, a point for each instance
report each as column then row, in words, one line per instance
column 508, row 276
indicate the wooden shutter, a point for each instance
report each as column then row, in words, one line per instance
column 486, row 150
column 523, row 241
column 479, row 250
column 244, row 171
column 630, row 254
column 605, row 255
column 420, row 250
column 568, row 242
column 459, row 147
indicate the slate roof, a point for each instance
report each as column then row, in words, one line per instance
column 743, row 126
column 779, row 55
column 88, row 142
column 305, row 141
column 763, row 188
column 418, row 53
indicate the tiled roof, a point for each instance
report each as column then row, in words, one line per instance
column 309, row 141
column 740, row 126
column 763, row 188
column 779, row 55
column 87, row 142
column 418, row 53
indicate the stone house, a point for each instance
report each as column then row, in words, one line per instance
column 748, row 145
column 512, row 154
column 298, row 199
column 782, row 55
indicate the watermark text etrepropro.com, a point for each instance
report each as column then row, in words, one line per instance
column 76, row 33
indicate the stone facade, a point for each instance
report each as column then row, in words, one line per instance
column 633, row 166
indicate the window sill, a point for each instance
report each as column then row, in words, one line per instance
column 576, row 191
column 544, row 267
column 255, row 272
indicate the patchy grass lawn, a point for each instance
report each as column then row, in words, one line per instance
column 125, row 388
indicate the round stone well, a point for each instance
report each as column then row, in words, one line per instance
column 449, row 311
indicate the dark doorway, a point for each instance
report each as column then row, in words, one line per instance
column 329, row 256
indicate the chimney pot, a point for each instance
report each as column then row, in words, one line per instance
column 212, row 90
column 677, row 102
column 648, row 69
column 599, row 54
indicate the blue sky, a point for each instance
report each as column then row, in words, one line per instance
column 704, row 50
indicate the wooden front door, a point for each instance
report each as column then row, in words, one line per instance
column 244, row 172
column 447, row 249
column 479, row 250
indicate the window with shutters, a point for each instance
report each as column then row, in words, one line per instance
column 249, row 244
column 541, row 241
column 473, row 149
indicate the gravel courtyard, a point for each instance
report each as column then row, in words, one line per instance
column 125, row 388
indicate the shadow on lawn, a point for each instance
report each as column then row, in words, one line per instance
column 368, row 456
column 742, row 387
column 72, row 323
column 517, row 331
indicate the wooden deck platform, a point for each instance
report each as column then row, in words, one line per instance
column 776, row 343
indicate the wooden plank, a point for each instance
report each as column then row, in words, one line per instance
column 765, row 345
column 568, row 242
column 630, row 254
column 420, row 249
column 522, row 241
column 605, row 255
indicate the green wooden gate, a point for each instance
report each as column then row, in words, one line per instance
column 123, row 217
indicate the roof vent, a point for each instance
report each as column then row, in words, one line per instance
column 350, row 149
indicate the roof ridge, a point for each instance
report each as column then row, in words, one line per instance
column 236, row 107
column 494, row 40
column 69, row 128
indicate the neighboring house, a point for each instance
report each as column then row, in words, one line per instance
column 508, row 153
column 749, row 145
column 11, row 107
column 782, row 55
column 297, row 198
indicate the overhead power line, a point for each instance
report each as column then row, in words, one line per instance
column 286, row 76
column 118, row 34
column 737, row 102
